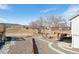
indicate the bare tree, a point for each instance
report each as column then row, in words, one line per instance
column 33, row 24
column 48, row 22
column 38, row 24
column 56, row 21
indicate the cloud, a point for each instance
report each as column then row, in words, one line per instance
column 4, row 6
column 47, row 10
column 71, row 11
column 3, row 20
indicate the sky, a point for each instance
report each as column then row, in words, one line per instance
column 25, row 13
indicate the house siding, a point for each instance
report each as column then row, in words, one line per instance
column 75, row 32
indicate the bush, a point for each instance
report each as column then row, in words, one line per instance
column 64, row 37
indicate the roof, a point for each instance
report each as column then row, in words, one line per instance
column 74, row 17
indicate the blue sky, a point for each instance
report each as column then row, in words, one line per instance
column 25, row 13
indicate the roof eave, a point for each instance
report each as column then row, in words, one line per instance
column 74, row 17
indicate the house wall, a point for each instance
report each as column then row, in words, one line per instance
column 75, row 32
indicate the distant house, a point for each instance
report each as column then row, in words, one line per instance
column 55, row 31
column 75, row 31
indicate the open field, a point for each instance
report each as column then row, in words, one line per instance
column 30, row 32
column 20, row 32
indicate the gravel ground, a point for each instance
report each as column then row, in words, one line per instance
column 43, row 48
column 21, row 47
column 63, row 44
column 17, row 47
column 25, row 47
column 73, row 49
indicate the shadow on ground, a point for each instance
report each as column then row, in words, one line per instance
column 1, row 45
column 66, row 39
column 15, row 39
column 11, row 39
column 35, row 48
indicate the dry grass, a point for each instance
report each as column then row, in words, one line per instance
column 31, row 32
column 20, row 31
